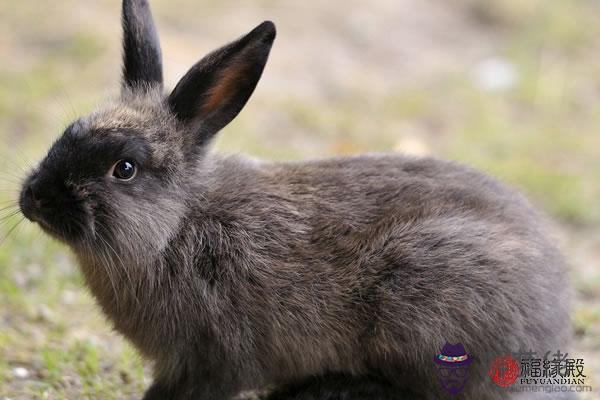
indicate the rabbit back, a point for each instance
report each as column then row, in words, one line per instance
column 374, row 262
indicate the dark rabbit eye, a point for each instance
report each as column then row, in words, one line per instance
column 124, row 170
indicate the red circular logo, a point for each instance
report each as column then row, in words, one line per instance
column 505, row 371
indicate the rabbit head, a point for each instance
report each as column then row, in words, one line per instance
column 121, row 174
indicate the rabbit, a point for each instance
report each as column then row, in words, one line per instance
column 232, row 274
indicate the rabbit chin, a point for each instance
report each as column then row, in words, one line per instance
column 69, row 233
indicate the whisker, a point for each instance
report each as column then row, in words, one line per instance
column 11, row 230
column 10, row 180
column 13, row 190
column 132, row 286
column 12, row 205
column 14, row 164
column 9, row 201
column 9, row 205
column 8, row 216
column 110, row 271
column 11, row 173
column 99, row 236
column 104, row 260
column 26, row 160
column 72, row 113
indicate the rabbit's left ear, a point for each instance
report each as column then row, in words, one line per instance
column 142, row 60
column 215, row 90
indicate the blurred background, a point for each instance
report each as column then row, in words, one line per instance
column 509, row 86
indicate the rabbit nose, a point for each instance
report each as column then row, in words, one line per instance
column 29, row 193
column 29, row 203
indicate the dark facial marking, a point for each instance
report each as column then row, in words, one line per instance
column 62, row 193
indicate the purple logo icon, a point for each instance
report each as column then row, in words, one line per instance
column 453, row 367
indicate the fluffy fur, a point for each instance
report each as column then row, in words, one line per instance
column 232, row 274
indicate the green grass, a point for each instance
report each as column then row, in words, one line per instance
column 41, row 328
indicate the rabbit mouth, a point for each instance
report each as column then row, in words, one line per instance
column 58, row 214
column 37, row 218
column 35, row 215
column 63, row 232
column 46, row 227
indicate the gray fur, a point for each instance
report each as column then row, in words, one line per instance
column 231, row 274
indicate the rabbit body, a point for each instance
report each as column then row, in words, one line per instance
column 363, row 265
column 233, row 274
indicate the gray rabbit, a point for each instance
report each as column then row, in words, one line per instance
column 333, row 279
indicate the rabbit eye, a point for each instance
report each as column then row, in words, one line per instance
column 124, row 170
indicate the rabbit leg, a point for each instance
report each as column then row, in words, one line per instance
column 200, row 386
column 161, row 391
column 158, row 391
column 340, row 387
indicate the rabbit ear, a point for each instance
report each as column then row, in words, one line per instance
column 216, row 88
column 142, row 61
